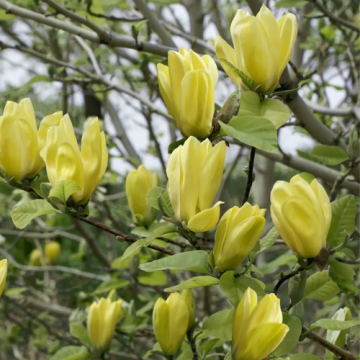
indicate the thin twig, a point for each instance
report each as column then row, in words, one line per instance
column 284, row 278
column 250, row 176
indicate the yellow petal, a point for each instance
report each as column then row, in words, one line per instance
column 240, row 14
column 178, row 67
column 28, row 108
column 196, row 62
column 269, row 335
column 52, row 251
column 224, row 51
column 211, row 172
column 242, row 314
column 161, row 318
column 197, row 104
column 3, row 274
column 173, row 171
column 240, row 242
column 211, row 68
column 94, row 325
column 66, row 125
column 190, row 171
column 253, row 54
column 187, row 296
column 304, row 221
column 206, row 219
column 288, row 31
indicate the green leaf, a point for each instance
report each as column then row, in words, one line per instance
column 158, row 195
column 321, row 287
column 303, row 356
column 234, row 288
column 254, row 131
column 64, row 189
column 307, row 177
column 15, row 291
column 111, row 285
column 156, row 278
column 131, row 251
column 195, row 282
column 343, row 275
column 292, row 337
column 196, row 261
column 286, row 259
column 273, row 110
column 291, row 4
column 219, row 325
column 343, row 220
column 78, row 331
column 266, row 242
column 334, row 325
column 24, row 213
column 35, row 79
column 71, row 353
column 174, row 145
column 140, row 24
column 329, row 155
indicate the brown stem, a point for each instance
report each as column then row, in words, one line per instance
column 122, row 235
column 250, row 176
column 287, row 277
column 341, row 353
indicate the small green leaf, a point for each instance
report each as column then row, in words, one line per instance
column 271, row 109
column 307, row 177
column 234, row 288
column 334, row 325
column 254, row 131
column 156, row 195
column 292, row 337
column 303, row 356
column 131, row 251
column 291, row 4
column 266, row 242
column 111, row 285
column 343, row 220
column 219, row 325
column 343, row 275
column 140, row 24
column 329, row 155
column 15, row 291
column 64, row 189
column 174, row 145
column 196, row 261
column 155, row 278
column 195, row 282
column 78, row 331
column 24, row 213
column 71, row 353
column 321, row 287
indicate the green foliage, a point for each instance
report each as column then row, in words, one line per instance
column 320, row 287
column 158, row 198
column 219, row 325
column 343, row 275
column 71, row 353
column 195, row 282
column 329, row 155
column 63, row 190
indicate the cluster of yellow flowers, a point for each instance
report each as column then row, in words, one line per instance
column 53, row 145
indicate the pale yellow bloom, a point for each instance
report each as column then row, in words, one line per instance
column 52, row 251
column 65, row 161
column 138, row 182
column 302, row 214
column 194, row 171
column 3, row 274
column 338, row 337
column 21, row 141
column 187, row 88
column 262, row 47
column 102, row 319
column 238, row 232
column 188, row 297
column 257, row 328
column 170, row 319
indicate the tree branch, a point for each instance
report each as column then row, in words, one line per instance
column 284, row 278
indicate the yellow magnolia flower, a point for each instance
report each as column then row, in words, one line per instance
column 238, row 232
column 338, row 337
column 262, row 47
column 188, row 297
column 52, row 251
column 187, row 88
column 302, row 214
column 194, row 171
column 21, row 141
column 3, row 274
column 65, row 161
column 102, row 319
column 138, row 183
column 257, row 328
column 170, row 319
column 35, row 258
